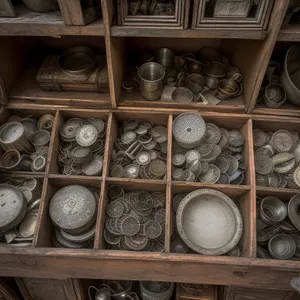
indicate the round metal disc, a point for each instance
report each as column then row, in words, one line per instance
column 211, row 176
column 86, row 135
column 212, row 134
column 236, row 138
column 12, row 207
column 97, row 123
column 28, row 224
column 297, row 176
column 178, row 160
column 188, row 130
column 131, row 171
column 69, row 129
column 143, row 158
column 158, row 167
column 73, row 208
column 263, row 164
column 128, row 137
column 79, row 238
column 260, row 138
column 209, row 222
column 282, row 141
column 93, row 167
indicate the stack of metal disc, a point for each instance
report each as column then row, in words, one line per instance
column 73, row 211
column 82, row 146
column 26, row 142
column 140, row 151
column 206, row 153
column 277, row 158
column 278, row 228
column 135, row 220
column 19, row 206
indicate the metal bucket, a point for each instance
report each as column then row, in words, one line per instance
column 151, row 76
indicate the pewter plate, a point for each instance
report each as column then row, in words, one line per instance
column 209, row 222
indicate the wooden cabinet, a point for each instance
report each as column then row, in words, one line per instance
column 240, row 293
column 47, row 289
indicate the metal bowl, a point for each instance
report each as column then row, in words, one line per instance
column 194, row 83
column 272, row 211
column 282, row 246
column 41, row 6
column 216, row 70
column 290, row 73
column 294, row 209
column 77, row 60
column 182, row 95
column 11, row 159
column 209, row 222
column 275, row 95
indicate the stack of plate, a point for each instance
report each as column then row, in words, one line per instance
column 19, row 206
column 73, row 211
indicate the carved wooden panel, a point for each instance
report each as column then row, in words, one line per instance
column 46, row 289
column 239, row 293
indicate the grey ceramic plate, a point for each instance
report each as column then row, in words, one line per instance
column 209, row 222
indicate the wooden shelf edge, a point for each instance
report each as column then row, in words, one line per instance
column 131, row 31
column 60, row 263
column 290, row 34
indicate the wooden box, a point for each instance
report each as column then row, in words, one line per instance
column 179, row 20
column 203, row 17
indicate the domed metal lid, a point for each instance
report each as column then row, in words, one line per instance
column 12, row 207
column 11, row 132
column 69, row 129
column 86, row 135
column 72, row 207
column 188, row 130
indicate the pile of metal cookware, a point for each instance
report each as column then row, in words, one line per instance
column 82, row 146
column 277, row 158
column 118, row 290
column 206, row 153
column 207, row 77
column 73, row 211
column 135, row 220
column 278, row 228
column 208, row 222
column 25, row 142
column 151, row 7
column 140, row 151
column 19, row 206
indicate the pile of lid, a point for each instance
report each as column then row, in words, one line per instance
column 82, row 146
column 158, row 7
column 73, row 211
column 278, row 228
column 206, row 153
column 277, row 157
column 25, row 142
column 135, row 220
column 19, row 206
column 140, row 151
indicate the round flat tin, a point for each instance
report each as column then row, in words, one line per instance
column 143, row 158
column 73, row 207
column 40, row 138
column 209, row 222
column 160, row 134
column 236, row 138
column 282, row 141
column 188, row 130
column 178, row 160
column 263, row 164
column 93, row 167
column 158, row 167
column 12, row 207
column 97, row 123
column 69, row 129
column 11, row 132
column 212, row 134
column 128, row 137
column 131, row 171
column 86, row 135
column 260, row 138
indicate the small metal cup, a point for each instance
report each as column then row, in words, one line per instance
column 182, row 95
column 282, row 246
column 272, row 211
column 151, row 76
column 11, row 159
column 274, row 96
column 165, row 57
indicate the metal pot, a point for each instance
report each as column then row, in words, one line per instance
column 41, row 6
column 291, row 69
column 151, row 76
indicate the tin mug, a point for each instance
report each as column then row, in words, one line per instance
column 234, row 74
column 151, row 76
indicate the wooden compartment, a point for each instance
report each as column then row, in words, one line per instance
column 5, row 113
column 126, row 51
column 113, row 133
column 287, row 109
column 243, row 198
column 230, row 121
column 21, row 82
column 45, row 226
column 62, row 117
column 177, row 21
column 257, row 18
column 186, row 291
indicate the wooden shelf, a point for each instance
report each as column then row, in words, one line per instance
column 130, row 31
column 27, row 90
column 134, row 99
column 290, row 34
column 285, row 110
column 29, row 23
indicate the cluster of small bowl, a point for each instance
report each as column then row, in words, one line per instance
column 82, row 146
column 25, row 142
column 277, row 158
column 278, row 228
column 20, row 200
column 206, row 153
column 135, row 220
column 140, row 151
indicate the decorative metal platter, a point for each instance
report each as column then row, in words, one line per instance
column 209, row 222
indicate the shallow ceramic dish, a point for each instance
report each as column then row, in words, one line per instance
column 209, row 222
